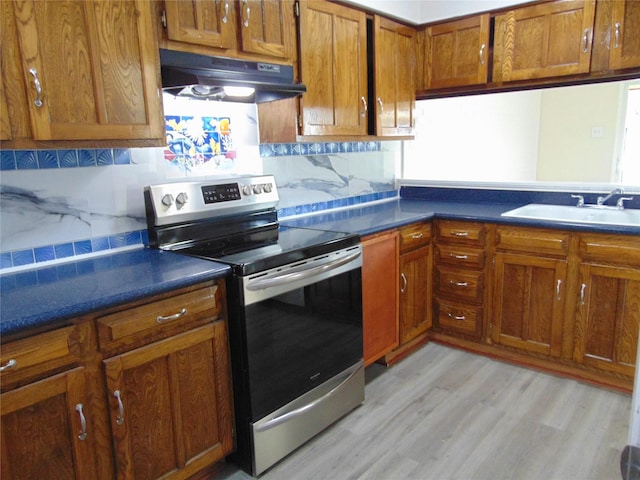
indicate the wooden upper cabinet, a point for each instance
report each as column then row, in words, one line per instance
column 333, row 66
column 90, row 69
column 268, row 27
column 209, row 23
column 457, row 53
column 543, row 40
column 625, row 35
column 394, row 67
column 5, row 125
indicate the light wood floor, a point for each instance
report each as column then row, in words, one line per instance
column 444, row 414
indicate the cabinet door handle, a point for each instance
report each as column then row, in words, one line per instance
column 456, row 317
column 120, row 418
column 558, row 285
column 482, row 54
column 363, row 112
column 404, row 283
column 459, row 234
column 247, row 12
column 225, row 17
column 583, row 290
column 616, row 35
column 83, row 422
column 458, row 257
column 459, row 284
column 10, row 364
column 417, row 236
column 36, row 82
column 585, row 40
column 168, row 318
column 381, row 105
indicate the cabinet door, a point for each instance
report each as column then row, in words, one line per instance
column 625, row 35
column 333, row 66
column 528, row 306
column 91, row 69
column 268, row 27
column 457, row 53
column 201, row 22
column 395, row 77
column 415, row 293
column 380, row 295
column 608, row 317
column 43, row 435
column 170, row 405
column 545, row 40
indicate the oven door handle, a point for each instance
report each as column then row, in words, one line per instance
column 274, row 422
column 282, row 279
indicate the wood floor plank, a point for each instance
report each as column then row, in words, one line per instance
column 446, row 414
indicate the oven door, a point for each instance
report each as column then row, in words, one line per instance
column 303, row 326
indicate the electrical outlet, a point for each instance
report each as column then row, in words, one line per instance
column 597, row 132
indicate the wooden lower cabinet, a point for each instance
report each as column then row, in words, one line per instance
column 528, row 302
column 45, row 434
column 608, row 317
column 415, row 293
column 170, row 405
column 380, row 255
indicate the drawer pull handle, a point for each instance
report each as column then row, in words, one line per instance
column 36, row 82
column 458, row 257
column 585, row 40
column 456, row 317
column 558, row 286
column 83, row 421
column 583, row 289
column 404, row 283
column 459, row 234
column 616, row 35
column 10, row 364
column 247, row 13
column 120, row 418
column 417, row 236
column 175, row 316
column 459, row 284
column 226, row 13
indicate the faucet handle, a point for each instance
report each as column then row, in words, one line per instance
column 621, row 200
column 580, row 200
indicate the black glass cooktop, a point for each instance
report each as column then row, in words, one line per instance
column 261, row 249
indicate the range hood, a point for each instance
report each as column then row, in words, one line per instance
column 205, row 77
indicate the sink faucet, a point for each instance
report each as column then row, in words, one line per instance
column 601, row 200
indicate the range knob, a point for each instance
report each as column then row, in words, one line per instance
column 267, row 187
column 181, row 199
column 246, row 189
column 257, row 189
column 167, row 199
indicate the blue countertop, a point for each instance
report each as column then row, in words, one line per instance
column 46, row 296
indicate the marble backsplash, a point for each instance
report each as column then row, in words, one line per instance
column 57, row 204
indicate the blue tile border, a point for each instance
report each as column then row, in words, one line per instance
column 337, row 203
column 64, row 158
column 316, row 148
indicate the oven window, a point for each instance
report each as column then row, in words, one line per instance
column 302, row 338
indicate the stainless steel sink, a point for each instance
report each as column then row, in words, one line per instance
column 586, row 214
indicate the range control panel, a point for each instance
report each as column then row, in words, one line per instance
column 185, row 201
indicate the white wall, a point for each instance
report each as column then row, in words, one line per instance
column 472, row 150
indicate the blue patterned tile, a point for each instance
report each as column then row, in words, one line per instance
column 26, row 159
column 87, row 158
column 331, row 147
column 319, row 206
column 63, row 250
column 5, row 260
column 99, row 243
column 345, row 147
column 44, row 254
column 298, row 148
column 316, row 148
column 133, row 238
column 104, row 156
column 371, row 147
column 7, row 160
column 68, row 158
column 266, row 150
column 282, row 149
column 121, row 156
column 48, row 159
column 82, row 247
column 22, row 257
column 144, row 235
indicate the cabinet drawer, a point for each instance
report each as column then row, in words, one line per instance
column 461, row 284
column 459, row 317
column 461, row 232
column 149, row 322
column 32, row 357
column 460, row 255
column 611, row 249
column 532, row 240
column 415, row 235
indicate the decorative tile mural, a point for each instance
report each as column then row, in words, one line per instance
column 196, row 140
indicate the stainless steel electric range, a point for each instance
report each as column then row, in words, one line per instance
column 294, row 309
